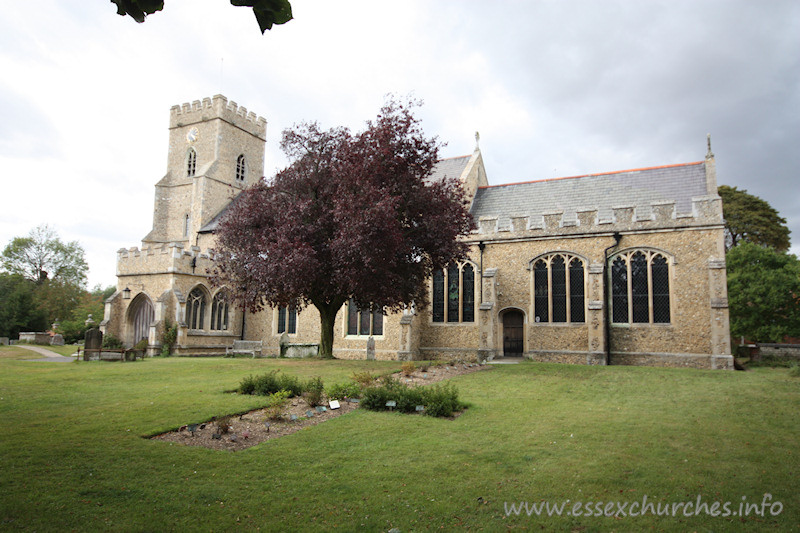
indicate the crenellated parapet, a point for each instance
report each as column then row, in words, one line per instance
column 706, row 211
column 173, row 258
column 218, row 107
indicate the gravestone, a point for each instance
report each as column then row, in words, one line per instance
column 3, row 341
column 371, row 348
column 57, row 340
column 92, row 345
column 283, row 343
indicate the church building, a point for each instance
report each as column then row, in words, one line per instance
column 624, row 267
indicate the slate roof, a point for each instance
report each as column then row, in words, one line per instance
column 638, row 188
column 451, row 167
column 211, row 225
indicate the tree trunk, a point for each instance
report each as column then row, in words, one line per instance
column 327, row 318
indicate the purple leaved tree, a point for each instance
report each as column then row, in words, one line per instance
column 353, row 216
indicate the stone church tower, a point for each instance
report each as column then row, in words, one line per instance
column 216, row 149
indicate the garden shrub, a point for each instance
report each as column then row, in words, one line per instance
column 340, row 391
column 247, row 386
column 111, row 342
column 314, row 390
column 375, row 398
column 270, row 383
column 168, row 338
column 439, row 400
column 442, row 400
column 365, row 379
column 276, row 403
column 141, row 345
column 223, row 425
column 794, row 370
column 408, row 368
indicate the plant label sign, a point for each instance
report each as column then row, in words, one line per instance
column 334, row 404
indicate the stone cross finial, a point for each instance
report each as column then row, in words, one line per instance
column 710, row 154
column 477, row 140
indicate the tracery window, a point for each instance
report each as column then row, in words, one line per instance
column 363, row 322
column 559, row 282
column 241, row 168
column 640, row 288
column 454, row 292
column 191, row 162
column 219, row 312
column 196, row 308
column 287, row 320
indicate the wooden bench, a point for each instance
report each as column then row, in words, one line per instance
column 244, row 347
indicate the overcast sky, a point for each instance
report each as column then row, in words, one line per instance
column 556, row 88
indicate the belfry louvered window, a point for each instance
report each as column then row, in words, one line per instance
column 453, row 298
column 191, row 162
column 640, row 288
column 559, row 282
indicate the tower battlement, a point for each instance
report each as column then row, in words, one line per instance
column 172, row 258
column 217, row 107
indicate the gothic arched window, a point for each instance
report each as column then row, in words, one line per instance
column 191, row 162
column 219, row 312
column 196, row 308
column 454, row 292
column 558, row 288
column 241, row 168
column 640, row 288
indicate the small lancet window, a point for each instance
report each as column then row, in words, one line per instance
column 241, row 168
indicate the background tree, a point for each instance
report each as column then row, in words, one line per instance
column 267, row 12
column 41, row 256
column 763, row 293
column 748, row 218
column 351, row 217
column 18, row 306
column 73, row 325
column 44, row 281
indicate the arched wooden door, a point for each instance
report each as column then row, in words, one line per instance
column 513, row 333
column 141, row 316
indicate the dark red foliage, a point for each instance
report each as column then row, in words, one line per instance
column 352, row 216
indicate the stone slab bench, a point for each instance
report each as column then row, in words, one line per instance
column 244, row 347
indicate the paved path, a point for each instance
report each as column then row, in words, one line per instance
column 49, row 356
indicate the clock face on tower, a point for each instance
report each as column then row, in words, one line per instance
column 192, row 135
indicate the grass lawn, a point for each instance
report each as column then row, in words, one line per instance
column 72, row 456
